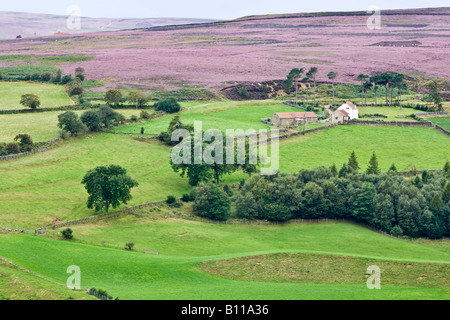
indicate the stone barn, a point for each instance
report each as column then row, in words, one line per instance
column 287, row 119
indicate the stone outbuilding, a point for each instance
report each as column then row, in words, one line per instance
column 287, row 119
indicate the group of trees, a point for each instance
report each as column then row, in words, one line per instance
column 294, row 77
column 22, row 143
column 90, row 121
column 387, row 201
column 114, row 98
column 388, row 80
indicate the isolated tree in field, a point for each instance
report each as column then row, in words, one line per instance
column 25, row 142
column 108, row 187
column 139, row 98
column 362, row 78
column 113, row 97
column 373, row 165
column 292, row 79
column 69, row 121
column 31, row 101
column 312, row 74
column 435, row 95
column 353, row 161
column 332, row 76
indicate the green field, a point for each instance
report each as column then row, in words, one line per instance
column 443, row 122
column 217, row 115
column 41, row 126
column 184, row 245
column 51, row 95
column 392, row 113
column 426, row 148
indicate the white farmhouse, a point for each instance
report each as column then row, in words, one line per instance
column 351, row 109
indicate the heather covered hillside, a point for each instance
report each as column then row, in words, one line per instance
column 257, row 49
column 29, row 25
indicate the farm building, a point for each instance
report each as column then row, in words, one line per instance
column 351, row 110
column 338, row 116
column 293, row 118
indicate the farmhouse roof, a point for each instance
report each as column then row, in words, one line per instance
column 296, row 115
column 351, row 105
column 345, row 113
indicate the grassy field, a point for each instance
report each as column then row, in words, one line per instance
column 217, row 115
column 184, row 245
column 319, row 268
column 443, row 122
column 51, row 95
column 37, row 189
column 16, row 284
column 392, row 113
column 41, row 126
column 46, row 180
column 426, row 148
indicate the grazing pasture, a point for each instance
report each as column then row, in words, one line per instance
column 51, row 95
column 443, row 122
column 183, row 245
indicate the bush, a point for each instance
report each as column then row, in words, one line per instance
column 67, row 234
column 212, row 203
column 246, row 206
column 396, row 231
column 134, row 118
column 243, row 92
column 46, row 77
column 144, row 115
column 129, row 246
column 171, row 200
column 12, row 148
column 186, row 198
column 228, row 190
column 169, row 105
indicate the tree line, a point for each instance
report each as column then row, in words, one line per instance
column 417, row 207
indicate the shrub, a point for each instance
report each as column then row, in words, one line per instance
column 142, row 130
column 246, row 206
column 144, row 115
column 67, row 234
column 169, row 105
column 212, row 203
column 186, row 198
column 46, row 77
column 66, row 79
column 396, row 231
column 243, row 92
column 134, row 118
column 129, row 246
column 74, row 88
column 12, row 148
column 171, row 199
column 25, row 142
column 228, row 190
